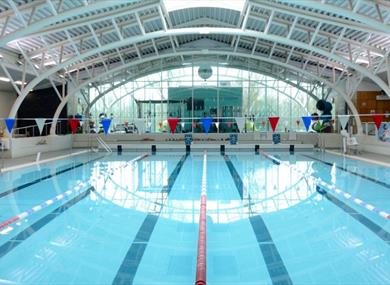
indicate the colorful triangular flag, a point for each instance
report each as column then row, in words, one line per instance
column 40, row 123
column 240, row 123
column 140, row 124
column 378, row 118
column 206, row 124
column 172, row 122
column 343, row 119
column 74, row 124
column 306, row 121
column 106, row 125
column 9, row 122
column 274, row 122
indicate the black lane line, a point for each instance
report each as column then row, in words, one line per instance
column 384, row 184
column 236, row 176
column 20, row 187
column 133, row 257
column 28, row 232
column 274, row 262
column 275, row 265
column 376, row 229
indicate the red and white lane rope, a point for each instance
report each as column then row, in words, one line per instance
column 200, row 278
column 333, row 188
column 80, row 185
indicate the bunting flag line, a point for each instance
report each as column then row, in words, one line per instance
column 172, row 124
column 274, row 122
column 306, row 121
column 106, row 125
column 206, row 124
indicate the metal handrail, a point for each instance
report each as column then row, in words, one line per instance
column 103, row 144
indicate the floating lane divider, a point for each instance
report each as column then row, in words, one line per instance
column 23, row 186
column 384, row 184
column 80, row 185
column 201, row 258
column 322, row 187
column 270, row 157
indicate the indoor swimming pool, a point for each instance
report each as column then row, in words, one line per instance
column 130, row 218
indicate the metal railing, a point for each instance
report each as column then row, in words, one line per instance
column 103, row 144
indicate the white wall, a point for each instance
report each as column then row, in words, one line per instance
column 32, row 145
column 327, row 140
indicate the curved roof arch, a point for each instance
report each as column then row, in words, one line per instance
column 298, row 70
column 199, row 30
column 178, row 65
column 130, row 93
column 334, row 39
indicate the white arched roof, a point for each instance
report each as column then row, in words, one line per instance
column 73, row 40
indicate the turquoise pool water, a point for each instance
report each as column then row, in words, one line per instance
column 137, row 223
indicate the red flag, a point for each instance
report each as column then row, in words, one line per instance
column 172, row 124
column 378, row 120
column 229, row 124
column 274, row 122
column 74, row 124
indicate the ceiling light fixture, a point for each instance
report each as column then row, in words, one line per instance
column 4, row 79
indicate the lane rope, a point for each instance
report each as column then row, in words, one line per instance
column 80, row 185
column 318, row 181
column 200, row 278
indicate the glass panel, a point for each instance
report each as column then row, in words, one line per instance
column 196, row 91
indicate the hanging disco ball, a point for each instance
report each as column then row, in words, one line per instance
column 205, row 72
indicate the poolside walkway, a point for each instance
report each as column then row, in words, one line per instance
column 367, row 156
column 8, row 164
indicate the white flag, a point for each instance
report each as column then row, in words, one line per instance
column 40, row 123
column 343, row 121
column 217, row 125
column 240, row 123
column 140, row 124
column 182, row 125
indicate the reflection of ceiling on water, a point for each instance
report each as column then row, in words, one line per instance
column 266, row 189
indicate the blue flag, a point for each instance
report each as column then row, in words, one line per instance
column 206, row 124
column 307, row 121
column 10, row 124
column 106, row 125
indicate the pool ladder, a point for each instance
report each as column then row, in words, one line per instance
column 103, row 144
